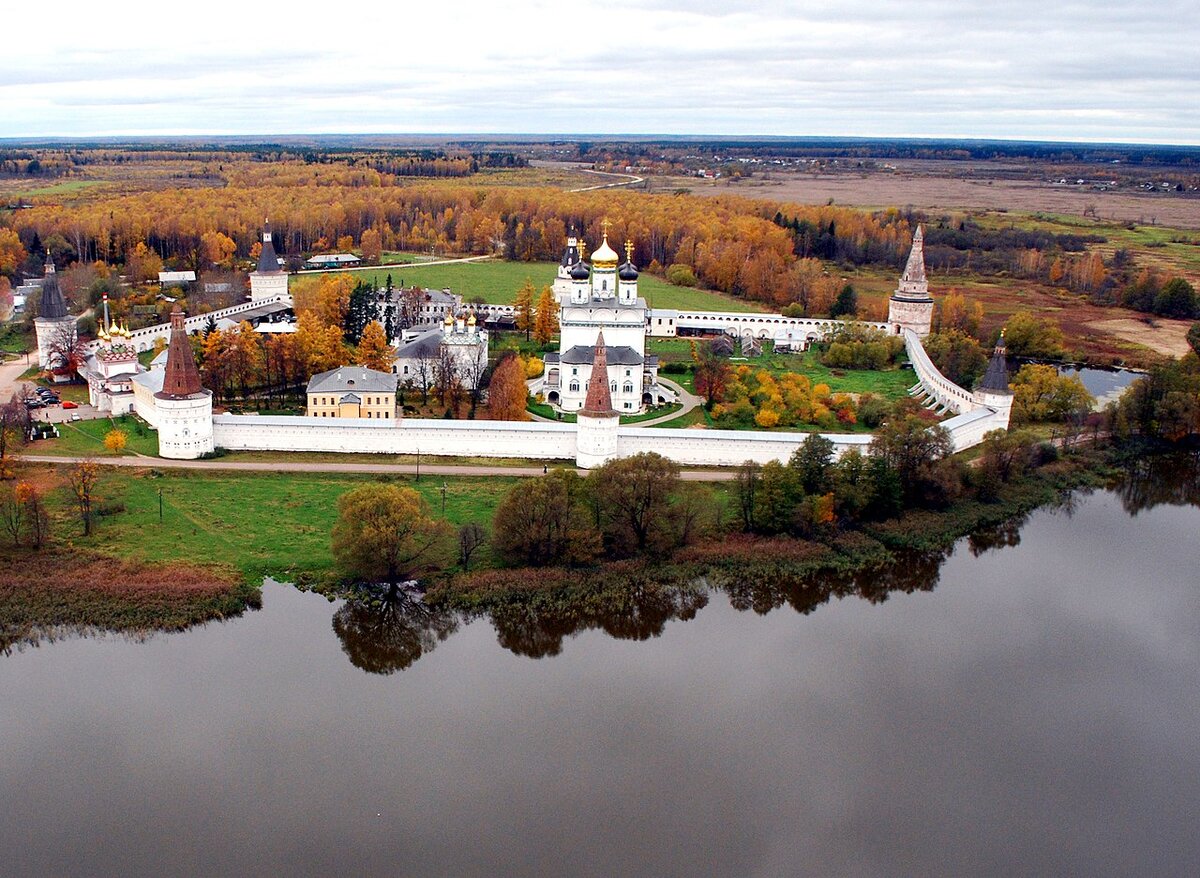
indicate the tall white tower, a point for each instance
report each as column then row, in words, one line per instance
column 268, row 280
column 910, row 307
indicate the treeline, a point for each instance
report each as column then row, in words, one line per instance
column 731, row 244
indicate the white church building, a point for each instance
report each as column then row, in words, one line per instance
column 601, row 300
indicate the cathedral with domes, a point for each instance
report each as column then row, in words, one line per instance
column 599, row 304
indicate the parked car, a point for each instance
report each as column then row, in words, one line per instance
column 75, row 417
column 70, row 405
column 34, row 404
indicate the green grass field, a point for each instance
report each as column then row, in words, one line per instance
column 83, row 438
column 265, row 524
column 497, row 282
column 893, row 383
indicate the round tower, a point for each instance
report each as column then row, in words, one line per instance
column 993, row 390
column 597, row 422
column 54, row 325
column 910, row 307
column 268, row 280
column 185, row 424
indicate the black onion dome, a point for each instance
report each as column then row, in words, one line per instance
column 628, row 271
column 580, row 271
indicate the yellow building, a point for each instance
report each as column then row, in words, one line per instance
column 352, row 392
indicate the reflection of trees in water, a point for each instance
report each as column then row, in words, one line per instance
column 385, row 630
column 537, row 630
column 1154, row 480
column 1005, row 535
column 384, row 634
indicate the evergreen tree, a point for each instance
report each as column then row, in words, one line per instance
column 364, row 308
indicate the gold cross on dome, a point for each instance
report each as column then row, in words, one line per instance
column 604, row 226
column 628, row 250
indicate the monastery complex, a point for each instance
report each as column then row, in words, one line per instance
column 604, row 326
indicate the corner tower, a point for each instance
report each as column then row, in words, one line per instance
column 268, row 280
column 185, row 425
column 910, row 307
column 993, row 390
column 597, row 422
column 53, row 319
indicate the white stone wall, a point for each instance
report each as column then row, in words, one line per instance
column 726, row 447
column 798, row 331
column 529, row 439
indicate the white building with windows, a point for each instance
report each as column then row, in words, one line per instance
column 599, row 304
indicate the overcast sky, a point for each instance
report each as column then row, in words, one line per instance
column 1118, row 70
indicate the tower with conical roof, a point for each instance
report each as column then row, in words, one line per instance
column 597, row 422
column 268, row 280
column 911, row 307
column 993, row 390
column 184, row 407
column 54, row 320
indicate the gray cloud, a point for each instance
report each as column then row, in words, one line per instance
column 1101, row 70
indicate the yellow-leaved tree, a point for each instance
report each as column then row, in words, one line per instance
column 374, row 352
column 523, row 308
column 545, row 323
column 115, row 440
column 384, row 533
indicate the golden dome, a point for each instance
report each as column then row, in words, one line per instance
column 449, row 321
column 113, row 329
column 471, row 320
column 604, row 256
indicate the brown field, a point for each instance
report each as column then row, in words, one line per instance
column 915, row 188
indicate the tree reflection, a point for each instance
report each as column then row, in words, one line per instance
column 1154, row 480
column 537, row 630
column 385, row 630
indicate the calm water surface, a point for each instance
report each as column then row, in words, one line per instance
column 1025, row 709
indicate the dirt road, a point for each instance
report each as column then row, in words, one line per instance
column 426, row 469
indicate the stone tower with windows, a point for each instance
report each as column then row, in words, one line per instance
column 910, row 307
column 268, row 280
column 185, row 424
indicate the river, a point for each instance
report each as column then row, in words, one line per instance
column 1026, row 705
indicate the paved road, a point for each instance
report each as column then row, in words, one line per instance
column 9, row 372
column 430, row 469
column 395, row 266
column 689, row 400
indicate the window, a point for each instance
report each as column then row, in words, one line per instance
column 574, row 386
column 628, row 388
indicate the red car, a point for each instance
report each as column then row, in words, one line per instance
column 70, row 405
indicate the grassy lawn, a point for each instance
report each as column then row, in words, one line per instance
column 547, row 411
column 892, row 384
column 262, row 523
column 81, row 438
column 497, row 282
column 14, row 339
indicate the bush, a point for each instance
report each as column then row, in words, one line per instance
column 681, row 275
column 214, row 454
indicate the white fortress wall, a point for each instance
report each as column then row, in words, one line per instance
column 726, row 447
column 666, row 322
column 937, row 386
column 534, row 440
column 144, row 339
